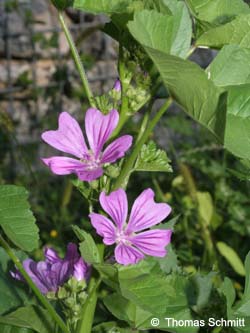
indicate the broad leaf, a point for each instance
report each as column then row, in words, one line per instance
column 162, row 296
column 242, row 308
column 152, row 159
column 33, row 317
column 88, row 248
column 12, row 292
column 217, row 11
column 231, row 66
column 168, row 33
column 170, row 262
column 16, row 219
column 159, row 5
column 125, row 310
column 203, row 287
column 109, row 274
column 14, row 329
column 232, row 257
column 108, row 6
column 228, row 290
column 235, row 32
column 201, row 99
column 237, row 136
column 231, row 70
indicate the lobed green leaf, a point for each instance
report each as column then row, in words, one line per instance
column 16, row 218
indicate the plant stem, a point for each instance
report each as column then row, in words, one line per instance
column 77, row 60
column 210, row 253
column 36, row 291
column 86, row 322
column 128, row 166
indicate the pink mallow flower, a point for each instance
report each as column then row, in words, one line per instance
column 90, row 160
column 132, row 243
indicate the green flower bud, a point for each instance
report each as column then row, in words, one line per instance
column 112, row 171
column 51, row 295
column 82, row 297
column 62, row 293
column 69, row 302
column 94, row 184
column 72, row 284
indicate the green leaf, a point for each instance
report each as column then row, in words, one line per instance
column 12, row 292
column 231, row 70
column 231, row 66
column 125, row 310
column 88, row 248
column 16, row 219
column 170, row 262
column 242, row 308
column 152, row 159
column 14, row 329
column 232, row 257
column 33, row 317
column 62, row 4
column 217, row 11
column 237, row 135
column 205, row 207
column 108, row 6
column 158, row 5
column 203, row 287
column 107, row 327
column 235, row 32
column 109, row 274
column 170, row 34
column 201, row 99
column 228, row 290
column 150, row 291
column 247, row 282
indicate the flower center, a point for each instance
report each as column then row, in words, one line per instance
column 91, row 161
column 122, row 238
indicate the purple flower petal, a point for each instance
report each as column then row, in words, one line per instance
column 90, row 175
column 152, row 242
column 61, row 165
column 30, row 267
column 104, row 227
column 125, row 254
column 146, row 213
column 62, row 272
column 72, row 253
column 117, row 149
column 81, row 270
column 68, row 138
column 51, row 255
column 99, row 127
column 116, row 206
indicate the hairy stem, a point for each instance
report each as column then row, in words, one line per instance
column 77, row 60
column 34, row 288
column 128, row 166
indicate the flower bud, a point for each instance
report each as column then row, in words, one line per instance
column 117, row 86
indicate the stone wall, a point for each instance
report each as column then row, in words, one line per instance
column 37, row 75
